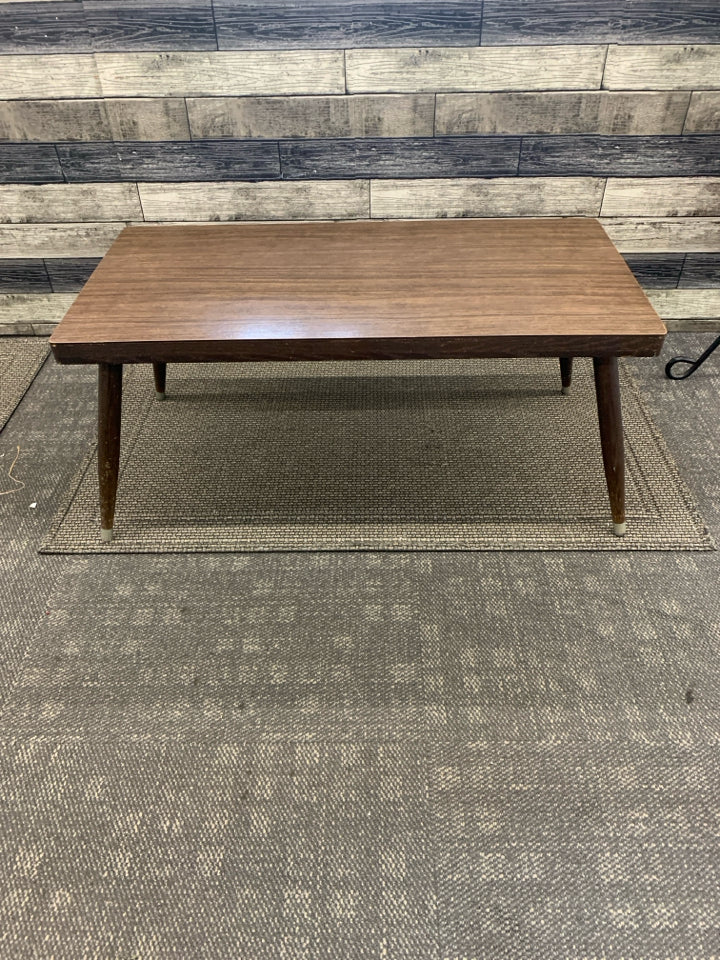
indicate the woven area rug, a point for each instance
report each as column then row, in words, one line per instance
column 422, row 455
column 20, row 361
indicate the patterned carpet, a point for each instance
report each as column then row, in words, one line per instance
column 20, row 360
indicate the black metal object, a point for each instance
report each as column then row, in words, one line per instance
column 693, row 364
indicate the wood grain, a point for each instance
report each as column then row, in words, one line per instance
column 701, row 270
column 561, row 113
column 375, row 115
column 57, row 239
column 703, row 114
column 24, row 276
column 656, row 270
column 620, row 156
column 686, row 304
column 221, row 73
column 393, row 157
column 503, row 197
column 69, row 202
column 665, row 196
column 29, row 163
column 443, row 69
column 663, row 235
column 58, row 120
column 672, row 67
column 50, row 77
column 28, row 308
column 68, row 275
column 145, row 119
column 278, row 24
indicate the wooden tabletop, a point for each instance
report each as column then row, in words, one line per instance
column 361, row 289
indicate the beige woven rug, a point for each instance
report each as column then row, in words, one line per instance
column 422, row 455
column 20, row 361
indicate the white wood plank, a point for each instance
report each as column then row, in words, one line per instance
column 57, row 239
column 664, row 196
column 681, row 235
column 69, row 202
column 474, row 68
column 30, row 308
column 51, row 77
column 686, row 304
column 269, row 200
column 221, row 73
column 662, row 67
column 501, row 197
column 703, row 114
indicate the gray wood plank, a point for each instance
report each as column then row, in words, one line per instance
column 68, row 274
column 664, row 196
column 78, row 120
column 656, row 270
column 23, row 276
column 397, row 158
column 612, row 21
column 561, row 113
column 26, row 77
column 73, row 202
column 276, row 200
column 295, row 72
column 172, row 161
column 703, row 114
column 620, row 156
column 29, row 163
column 43, row 27
column 701, row 270
column 663, row 235
column 503, row 197
column 672, row 67
column 277, row 24
column 57, row 239
column 374, row 115
column 686, row 304
column 147, row 119
column 29, row 308
column 447, row 69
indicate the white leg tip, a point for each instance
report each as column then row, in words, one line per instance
column 565, row 391
column 619, row 529
column 106, row 535
column 159, row 396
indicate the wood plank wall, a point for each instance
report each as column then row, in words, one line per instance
column 132, row 111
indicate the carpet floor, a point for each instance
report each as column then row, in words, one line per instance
column 509, row 756
column 20, row 361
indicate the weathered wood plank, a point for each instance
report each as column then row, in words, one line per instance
column 674, row 234
column 57, row 239
column 43, row 27
column 374, row 115
column 69, row 275
column 28, row 308
column 318, row 200
column 48, row 77
column 24, row 276
column 686, row 304
column 662, row 67
column 664, row 196
column 585, row 155
column 29, row 163
column 656, row 270
column 78, row 120
column 612, row 21
column 708, row 326
column 395, row 158
column 259, row 24
column 71, row 202
column 561, row 113
column 444, row 69
column 703, row 114
column 141, row 119
column 503, row 197
column 293, row 72
column 173, row 161
column 701, row 270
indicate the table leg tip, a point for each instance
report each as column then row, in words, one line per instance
column 619, row 529
column 565, row 391
column 159, row 395
column 106, row 535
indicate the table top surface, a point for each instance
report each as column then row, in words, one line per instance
column 359, row 289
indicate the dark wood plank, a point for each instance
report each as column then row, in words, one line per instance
column 29, row 163
column 612, row 21
column 656, row 269
column 322, row 24
column 70, row 273
column 400, row 157
column 620, row 156
column 170, row 161
column 23, row 276
column 43, row 27
column 701, row 270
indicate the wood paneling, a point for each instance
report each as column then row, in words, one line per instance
column 48, row 77
column 703, row 114
column 341, row 200
column 58, row 120
column 69, row 202
column 662, row 67
column 29, row 163
column 275, row 24
column 29, row 308
column 588, row 21
column 701, row 270
column 686, row 304
column 68, row 275
column 447, row 157
column 447, row 69
column 40, row 27
column 24, row 276
column 665, row 196
column 379, row 115
column 410, row 199
column 145, row 119
column 57, row 239
column 561, row 113
column 221, row 74
column 620, row 156
column 674, row 234
column 658, row 270
column 177, row 161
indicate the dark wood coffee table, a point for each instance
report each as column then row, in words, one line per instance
column 365, row 290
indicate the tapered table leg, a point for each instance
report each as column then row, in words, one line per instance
column 566, row 373
column 607, row 389
column 159, row 372
column 109, row 413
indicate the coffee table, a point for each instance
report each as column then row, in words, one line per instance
column 360, row 290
